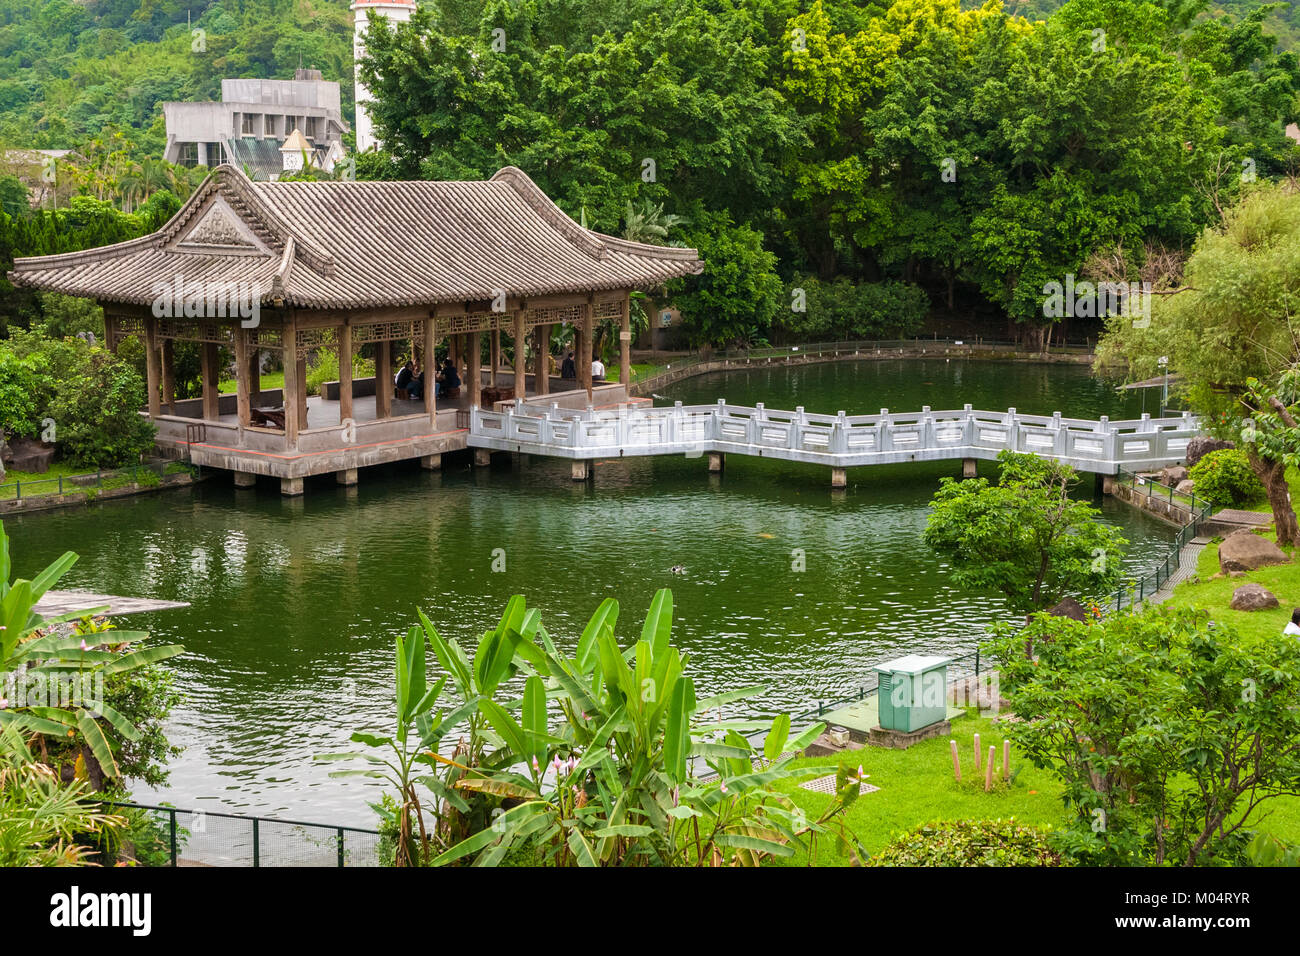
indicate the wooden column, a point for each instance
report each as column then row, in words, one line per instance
column 430, row 370
column 578, row 349
column 208, row 371
column 383, row 379
column 301, row 383
column 169, row 375
column 625, row 345
column 542, row 385
column 494, row 357
column 521, row 373
column 289, row 339
column 584, row 370
column 243, row 367
column 254, row 372
column 152, row 372
column 345, row 372
column 473, row 376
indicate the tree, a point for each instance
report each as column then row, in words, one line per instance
column 1168, row 731
column 1024, row 536
column 1236, row 317
column 1272, row 441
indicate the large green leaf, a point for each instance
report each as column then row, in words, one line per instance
column 658, row 628
column 147, row 655
column 677, row 733
column 606, row 617
column 511, row 733
column 98, row 744
column 774, row 744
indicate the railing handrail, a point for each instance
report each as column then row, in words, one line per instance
column 234, row 816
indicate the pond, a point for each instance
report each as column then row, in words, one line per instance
column 295, row 602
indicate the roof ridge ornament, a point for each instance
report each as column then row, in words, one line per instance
column 527, row 190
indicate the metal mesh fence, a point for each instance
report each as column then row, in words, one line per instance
column 200, row 838
column 148, row 473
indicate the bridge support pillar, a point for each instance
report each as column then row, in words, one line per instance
column 291, row 487
column 969, row 468
column 431, row 462
column 839, row 478
column 1107, row 484
column 482, row 457
column 245, row 479
column 581, row 469
column 348, row 476
column 716, row 460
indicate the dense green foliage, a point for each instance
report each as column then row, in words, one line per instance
column 1169, row 732
column 1224, row 478
column 976, row 154
column 1024, row 536
column 970, row 843
column 82, row 398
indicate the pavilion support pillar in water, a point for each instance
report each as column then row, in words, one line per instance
column 716, row 460
column 482, row 457
column 969, row 468
column 245, row 479
column 348, row 476
column 152, row 372
column 521, row 351
column 208, row 374
column 839, row 478
column 430, row 371
column 581, row 469
column 625, row 345
column 169, row 376
column 290, row 487
column 383, row 379
column 431, row 462
column 291, row 389
column 243, row 368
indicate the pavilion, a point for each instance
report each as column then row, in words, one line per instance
column 297, row 267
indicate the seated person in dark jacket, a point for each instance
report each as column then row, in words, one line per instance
column 568, row 369
column 407, row 382
column 450, row 378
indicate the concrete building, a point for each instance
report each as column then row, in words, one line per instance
column 398, row 11
column 254, row 119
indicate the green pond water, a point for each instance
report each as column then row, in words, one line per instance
column 295, row 602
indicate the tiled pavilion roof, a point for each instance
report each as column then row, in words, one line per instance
column 364, row 245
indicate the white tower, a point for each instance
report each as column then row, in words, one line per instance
column 397, row 10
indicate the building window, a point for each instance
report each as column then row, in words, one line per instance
column 189, row 154
column 246, row 125
column 311, row 127
column 216, row 154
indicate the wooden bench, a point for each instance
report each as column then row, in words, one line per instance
column 267, row 417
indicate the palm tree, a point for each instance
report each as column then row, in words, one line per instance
column 649, row 223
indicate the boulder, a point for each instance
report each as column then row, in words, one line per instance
column 1069, row 607
column 1202, row 445
column 1185, row 487
column 1252, row 597
column 1172, row 475
column 1246, row 551
column 27, row 454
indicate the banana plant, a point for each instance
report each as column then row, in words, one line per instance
column 636, row 771
column 33, row 648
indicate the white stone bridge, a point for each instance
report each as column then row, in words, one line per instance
column 840, row 441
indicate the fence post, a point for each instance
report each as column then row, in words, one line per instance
column 18, row 490
column 340, row 846
column 977, row 662
column 257, row 850
column 172, row 826
column 60, row 484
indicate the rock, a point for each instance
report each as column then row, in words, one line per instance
column 1172, row 475
column 1069, row 607
column 1245, row 551
column 1202, row 445
column 1185, row 486
column 1252, row 597
column 27, row 454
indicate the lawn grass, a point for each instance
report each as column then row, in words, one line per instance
column 917, row 786
column 40, row 483
column 269, row 381
column 640, row 370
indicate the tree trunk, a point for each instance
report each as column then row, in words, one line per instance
column 1272, row 475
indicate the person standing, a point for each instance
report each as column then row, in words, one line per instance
column 597, row 370
column 1294, row 627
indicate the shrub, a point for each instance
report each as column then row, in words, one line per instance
column 843, row 309
column 1224, row 477
column 970, row 843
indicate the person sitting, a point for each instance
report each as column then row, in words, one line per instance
column 448, row 381
column 407, row 382
column 597, row 370
column 568, row 369
column 1294, row 627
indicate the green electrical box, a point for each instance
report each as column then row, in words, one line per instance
column 913, row 692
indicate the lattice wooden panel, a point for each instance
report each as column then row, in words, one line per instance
column 473, row 322
column 608, row 310
column 566, row 313
column 388, row 331
column 264, row 337
column 123, row 326
column 180, row 331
